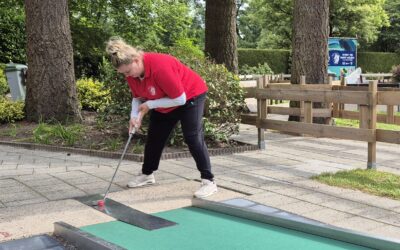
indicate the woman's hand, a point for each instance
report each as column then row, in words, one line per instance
column 135, row 123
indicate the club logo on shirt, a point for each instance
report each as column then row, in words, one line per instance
column 152, row 90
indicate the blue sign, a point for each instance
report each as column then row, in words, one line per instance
column 342, row 58
column 342, row 55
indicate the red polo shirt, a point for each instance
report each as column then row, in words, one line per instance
column 166, row 76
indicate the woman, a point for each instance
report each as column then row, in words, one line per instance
column 172, row 92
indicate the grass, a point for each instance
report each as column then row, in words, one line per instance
column 113, row 144
column 138, row 147
column 11, row 131
column 58, row 134
column 366, row 180
column 356, row 124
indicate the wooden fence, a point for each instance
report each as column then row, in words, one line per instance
column 335, row 96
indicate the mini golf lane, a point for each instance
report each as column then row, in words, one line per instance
column 204, row 229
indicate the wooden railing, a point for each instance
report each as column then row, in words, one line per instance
column 335, row 96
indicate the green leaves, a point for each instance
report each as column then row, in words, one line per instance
column 92, row 94
column 11, row 111
column 268, row 23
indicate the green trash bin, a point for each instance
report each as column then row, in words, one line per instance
column 16, row 77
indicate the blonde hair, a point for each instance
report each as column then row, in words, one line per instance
column 120, row 52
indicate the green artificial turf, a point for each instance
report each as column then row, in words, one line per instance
column 202, row 229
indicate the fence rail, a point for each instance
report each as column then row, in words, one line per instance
column 334, row 96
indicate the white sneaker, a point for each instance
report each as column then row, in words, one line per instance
column 207, row 188
column 141, row 180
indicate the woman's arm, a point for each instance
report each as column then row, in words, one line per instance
column 167, row 102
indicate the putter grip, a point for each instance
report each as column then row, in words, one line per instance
column 139, row 118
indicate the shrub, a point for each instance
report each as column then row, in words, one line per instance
column 4, row 89
column 376, row 62
column 261, row 69
column 396, row 73
column 11, row 111
column 225, row 96
column 120, row 94
column 92, row 94
column 225, row 99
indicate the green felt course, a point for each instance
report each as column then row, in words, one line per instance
column 203, row 229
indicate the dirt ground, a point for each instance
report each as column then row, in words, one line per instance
column 90, row 134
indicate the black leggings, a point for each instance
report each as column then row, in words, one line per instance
column 161, row 124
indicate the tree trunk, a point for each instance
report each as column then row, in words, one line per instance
column 51, row 90
column 220, row 33
column 310, row 45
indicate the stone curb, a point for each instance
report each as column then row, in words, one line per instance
column 128, row 156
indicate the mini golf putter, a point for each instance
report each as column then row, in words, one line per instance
column 118, row 210
column 126, row 214
column 101, row 203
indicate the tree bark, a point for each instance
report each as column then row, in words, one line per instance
column 51, row 90
column 310, row 45
column 220, row 33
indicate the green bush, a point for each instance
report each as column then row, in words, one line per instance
column 92, row 94
column 396, row 73
column 225, row 96
column 11, row 111
column 278, row 60
column 376, row 62
column 4, row 89
column 261, row 69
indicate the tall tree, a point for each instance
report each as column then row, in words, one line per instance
column 51, row 90
column 389, row 37
column 347, row 18
column 310, row 42
column 220, row 34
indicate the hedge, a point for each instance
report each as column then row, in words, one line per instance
column 376, row 62
column 278, row 60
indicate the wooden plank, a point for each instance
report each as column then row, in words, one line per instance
column 389, row 98
column 308, row 112
column 319, row 130
column 297, row 111
column 364, row 116
column 354, row 115
column 249, row 92
column 261, row 111
column 381, row 118
column 250, row 119
column 296, row 87
column 302, row 83
column 390, row 114
column 373, row 89
column 350, row 97
column 363, row 88
column 388, row 136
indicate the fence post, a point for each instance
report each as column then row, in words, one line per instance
column 373, row 90
column 390, row 114
column 336, row 106
column 261, row 111
column 302, row 82
column 330, row 105
column 341, row 105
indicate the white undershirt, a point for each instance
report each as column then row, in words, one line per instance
column 164, row 102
